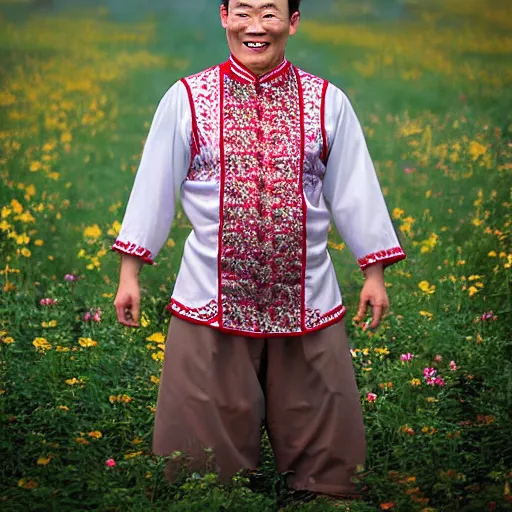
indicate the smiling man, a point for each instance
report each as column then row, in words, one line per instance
column 263, row 156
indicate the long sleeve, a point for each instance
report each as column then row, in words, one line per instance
column 352, row 189
column 163, row 168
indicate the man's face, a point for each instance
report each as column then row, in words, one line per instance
column 257, row 32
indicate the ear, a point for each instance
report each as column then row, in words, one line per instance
column 224, row 16
column 294, row 23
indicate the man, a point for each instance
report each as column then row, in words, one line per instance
column 262, row 155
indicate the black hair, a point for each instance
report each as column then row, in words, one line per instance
column 292, row 4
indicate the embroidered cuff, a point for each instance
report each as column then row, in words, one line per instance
column 133, row 250
column 387, row 257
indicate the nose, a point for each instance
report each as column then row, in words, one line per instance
column 255, row 27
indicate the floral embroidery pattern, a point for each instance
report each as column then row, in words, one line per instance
column 204, row 93
column 387, row 257
column 133, row 250
column 202, row 314
column 314, row 167
column 262, row 224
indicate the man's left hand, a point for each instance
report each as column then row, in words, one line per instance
column 374, row 293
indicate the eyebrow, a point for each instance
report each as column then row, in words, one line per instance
column 266, row 6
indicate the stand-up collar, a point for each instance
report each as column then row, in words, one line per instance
column 241, row 73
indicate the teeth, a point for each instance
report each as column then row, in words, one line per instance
column 256, row 45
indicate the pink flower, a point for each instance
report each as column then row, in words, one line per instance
column 453, row 366
column 438, row 358
column 110, row 463
column 93, row 316
column 47, row 302
column 406, row 357
column 371, row 397
column 70, row 277
column 438, row 381
column 409, row 170
column 429, row 373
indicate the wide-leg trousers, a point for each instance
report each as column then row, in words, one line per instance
column 216, row 390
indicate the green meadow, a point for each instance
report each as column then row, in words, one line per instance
column 79, row 82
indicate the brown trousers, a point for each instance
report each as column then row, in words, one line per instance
column 216, row 390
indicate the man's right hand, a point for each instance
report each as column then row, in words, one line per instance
column 127, row 301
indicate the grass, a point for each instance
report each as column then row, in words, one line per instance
column 77, row 91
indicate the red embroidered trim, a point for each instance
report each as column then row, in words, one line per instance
column 242, row 74
column 221, row 198
column 325, row 145
column 304, row 204
column 195, row 129
column 314, row 319
column 200, row 316
column 388, row 257
column 203, row 315
column 133, row 250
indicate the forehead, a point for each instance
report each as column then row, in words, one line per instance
column 280, row 5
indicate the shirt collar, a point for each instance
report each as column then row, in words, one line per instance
column 242, row 74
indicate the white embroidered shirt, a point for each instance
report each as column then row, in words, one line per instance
column 261, row 165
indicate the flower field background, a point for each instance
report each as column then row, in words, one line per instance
column 432, row 85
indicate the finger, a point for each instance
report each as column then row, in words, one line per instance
column 135, row 311
column 376, row 316
column 361, row 312
column 124, row 316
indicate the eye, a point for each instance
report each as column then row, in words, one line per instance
column 269, row 16
column 241, row 15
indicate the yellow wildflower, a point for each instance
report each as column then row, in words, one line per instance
column 95, row 434
column 49, row 325
column 81, row 440
column 87, row 342
column 16, row 206
column 427, row 314
column 476, row 150
column 5, row 226
column 492, row 254
column 27, row 484
column 426, row 287
column 156, row 337
column 35, row 166
column 155, row 380
column 44, row 461
column 416, row 382
column 22, row 239
column 158, row 356
column 115, row 229
column 132, row 455
column 7, row 340
column 63, row 408
column 93, row 232
column 62, row 349
column 472, row 290
column 6, row 211
column 72, row 382
column 38, row 243
column 41, row 344
column 66, row 137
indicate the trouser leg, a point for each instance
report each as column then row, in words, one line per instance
column 314, row 415
column 209, row 397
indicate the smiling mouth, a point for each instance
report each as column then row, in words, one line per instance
column 256, row 45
